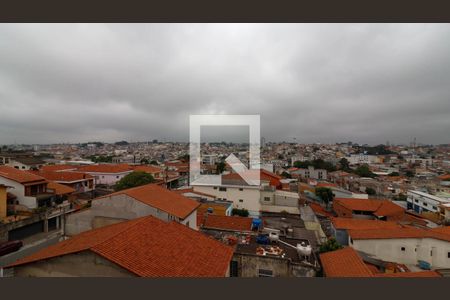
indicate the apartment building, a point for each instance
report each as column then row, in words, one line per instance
column 423, row 202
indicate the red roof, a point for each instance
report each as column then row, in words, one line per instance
column 344, row 263
column 148, row 247
column 19, row 176
column 443, row 230
column 63, row 176
column 346, row 223
column 379, row 208
column 106, row 168
column 233, row 223
column 319, row 210
column 160, row 198
column 147, row 168
column 404, row 232
column 347, row 263
column 56, row 168
column 274, row 180
column 444, row 177
column 60, row 189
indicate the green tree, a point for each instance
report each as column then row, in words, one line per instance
column 330, row 245
column 344, row 164
column 220, row 167
column 154, row 162
column 286, row 174
column 326, row 194
column 144, row 161
column 370, row 191
column 134, row 179
column 364, row 171
column 302, row 164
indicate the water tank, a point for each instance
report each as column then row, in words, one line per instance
column 262, row 239
column 256, row 223
column 274, row 237
column 304, row 249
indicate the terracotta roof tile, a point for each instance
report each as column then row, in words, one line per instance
column 106, row 168
column 380, row 208
column 347, row 223
column 344, row 263
column 63, row 176
column 160, row 198
column 55, row 168
column 60, row 189
column 149, row 247
column 347, row 263
column 19, row 176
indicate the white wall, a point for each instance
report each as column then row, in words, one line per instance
column 18, row 190
column 249, row 195
column 415, row 249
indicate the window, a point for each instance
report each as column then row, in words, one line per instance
column 351, row 241
column 222, row 189
column 434, row 207
column 240, row 200
column 448, row 254
column 266, row 198
column 117, row 177
column 425, row 204
column 241, row 189
column 215, row 187
column 415, row 200
column 403, row 249
column 265, row 273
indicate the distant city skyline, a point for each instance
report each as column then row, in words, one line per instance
column 319, row 83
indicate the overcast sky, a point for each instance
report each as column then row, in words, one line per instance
column 366, row 83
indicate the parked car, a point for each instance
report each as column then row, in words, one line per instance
column 11, row 246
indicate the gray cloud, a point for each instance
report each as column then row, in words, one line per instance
column 368, row 83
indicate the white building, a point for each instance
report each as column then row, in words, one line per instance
column 405, row 245
column 318, row 174
column 254, row 198
column 363, row 159
column 423, row 202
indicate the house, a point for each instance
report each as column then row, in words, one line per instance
column 310, row 173
column 150, row 199
column 80, row 182
column 445, row 213
column 30, row 190
column 340, row 227
column 407, row 245
column 106, row 174
column 423, row 202
column 255, row 198
column 21, row 161
column 143, row 247
column 346, row 262
column 367, row 208
column 155, row 171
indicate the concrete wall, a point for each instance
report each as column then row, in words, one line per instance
column 18, row 190
column 286, row 199
column 108, row 178
column 85, row 264
column 117, row 208
column 249, row 195
column 433, row 251
column 114, row 208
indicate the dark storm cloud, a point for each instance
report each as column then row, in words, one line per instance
column 317, row 83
